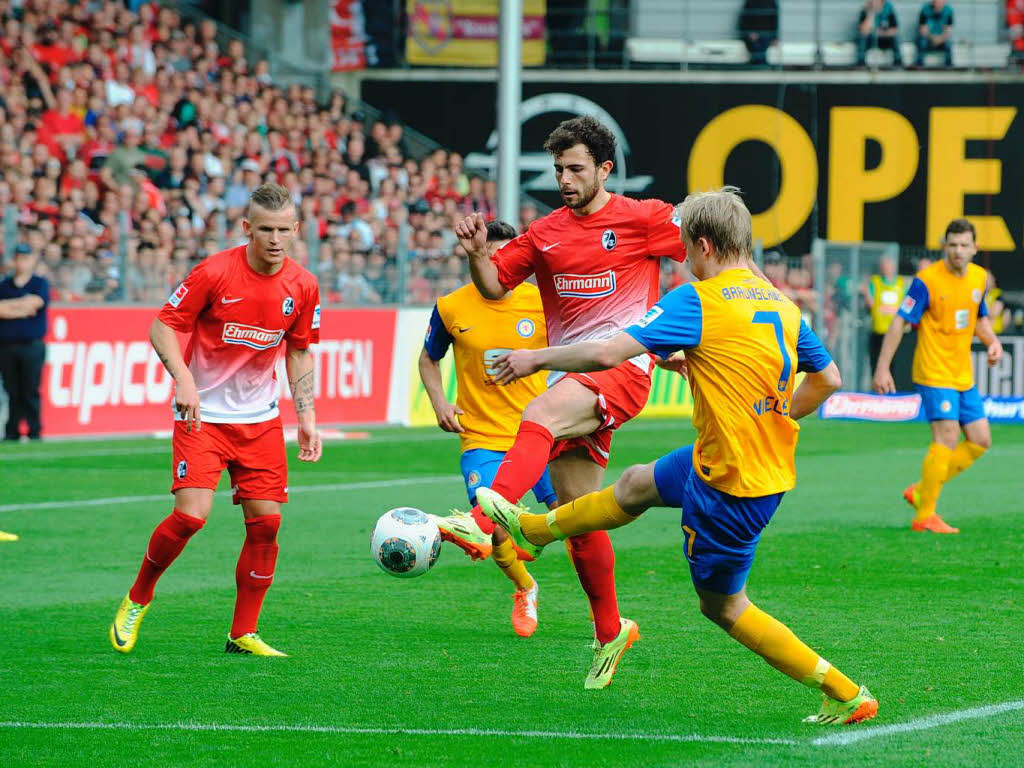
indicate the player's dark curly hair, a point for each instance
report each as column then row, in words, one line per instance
column 500, row 230
column 586, row 130
column 958, row 227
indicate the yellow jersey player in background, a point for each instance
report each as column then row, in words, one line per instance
column 947, row 300
column 485, row 416
column 744, row 343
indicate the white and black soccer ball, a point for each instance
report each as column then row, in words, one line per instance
column 405, row 542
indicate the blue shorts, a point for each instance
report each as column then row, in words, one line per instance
column 940, row 403
column 720, row 532
column 479, row 466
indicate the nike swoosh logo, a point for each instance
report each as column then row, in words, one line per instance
column 226, row 300
column 117, row 638
column 257, row 576
column 463, row 330
column 547, row 248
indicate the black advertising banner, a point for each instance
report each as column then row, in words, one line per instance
column 887, row 162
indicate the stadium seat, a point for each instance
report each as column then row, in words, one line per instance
column 662, row 50
column 792, row 54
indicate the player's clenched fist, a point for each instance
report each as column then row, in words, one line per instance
column 517, row 364
column 472, row 234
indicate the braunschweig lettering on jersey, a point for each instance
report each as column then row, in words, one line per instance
column 251, row 336
column 585, row 286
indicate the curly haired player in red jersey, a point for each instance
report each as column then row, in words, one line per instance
column 597, row 264
column 244, row 308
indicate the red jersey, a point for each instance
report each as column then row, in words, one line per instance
column 238, row 319
column 597, row 274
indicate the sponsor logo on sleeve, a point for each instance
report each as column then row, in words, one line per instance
column 908, row 305
column 179, row 293
column 251, row 336
column 650, row 317
column 316, row 318
column 585, row 286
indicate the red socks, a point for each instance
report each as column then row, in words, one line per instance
column 594, row 560
column 523, row 465
column 255, row 571
column 166, row 543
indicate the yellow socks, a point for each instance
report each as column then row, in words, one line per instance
column 505, row 558
column 598, row 511
column 933, row 475
column 774, row 642
column 962, row 457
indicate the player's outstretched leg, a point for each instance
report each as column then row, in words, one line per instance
column 845, row 702
column 168, row 540
column 253, row 576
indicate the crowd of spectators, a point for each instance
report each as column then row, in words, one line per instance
column 130, row 142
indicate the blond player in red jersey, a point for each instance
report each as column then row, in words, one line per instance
column 597, row 265
column 239, row 306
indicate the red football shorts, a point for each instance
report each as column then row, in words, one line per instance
column 253, row 455
column 621, row 394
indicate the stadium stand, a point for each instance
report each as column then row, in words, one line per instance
column 811, row 32
column 129, row 143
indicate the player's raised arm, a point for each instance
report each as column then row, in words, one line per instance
column 299, row 365
column 583, row 356
column 472, row 234
column 186, row 396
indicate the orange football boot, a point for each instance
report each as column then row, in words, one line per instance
column 934, row 524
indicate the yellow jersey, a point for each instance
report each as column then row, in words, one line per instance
column 885, row 301
column 744, row 342
column 481, row 330
column 946, row 308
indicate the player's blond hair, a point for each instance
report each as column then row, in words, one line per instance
column 720, row 216
column 269, row 197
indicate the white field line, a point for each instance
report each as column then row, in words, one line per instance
column 77, row 503
column 838, row 739
column 853, row 735
column 12, row 454
column 399, row 731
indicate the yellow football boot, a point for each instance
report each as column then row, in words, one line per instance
column 124, row 630
column 252, row 644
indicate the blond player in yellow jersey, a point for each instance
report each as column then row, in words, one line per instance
column 947, row 301
column 485, row 416
column 744, row 343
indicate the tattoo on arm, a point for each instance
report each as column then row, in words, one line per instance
column 302, row 392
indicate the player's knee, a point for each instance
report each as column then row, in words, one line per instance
column 540, row 412
column 715, row 612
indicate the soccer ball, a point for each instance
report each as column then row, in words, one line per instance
column 405, row 542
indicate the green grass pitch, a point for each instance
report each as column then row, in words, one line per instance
column 427, row 672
